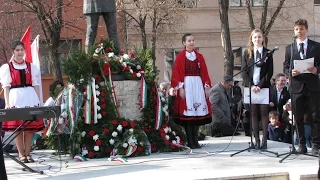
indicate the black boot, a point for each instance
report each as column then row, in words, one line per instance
column 264, row 143
column 188, row 129
column 195, row 134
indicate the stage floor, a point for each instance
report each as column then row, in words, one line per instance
column 246, row 165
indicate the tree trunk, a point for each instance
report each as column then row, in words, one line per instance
column 54, row 59
column 154, row 38
column 225, row 36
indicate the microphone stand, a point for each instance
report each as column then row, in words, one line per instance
column 251, row 145
column 292, row 150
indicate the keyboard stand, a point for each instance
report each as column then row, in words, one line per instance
column 9, row 139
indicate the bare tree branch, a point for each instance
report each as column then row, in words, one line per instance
column 250, row 16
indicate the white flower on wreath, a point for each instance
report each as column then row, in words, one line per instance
column 124, row 64
column 83, row 133
column 126, row 56
column 111, row 54
column 163, row 100
column 125, row 145
column 141, row 143
column 64, row 114
column 120, row 59
column 174, row 142
column 138, row 74
column 174, row 133
column 132, row 140
column 97, row 93
column 119, row 128
column 99, row 116
column 169, row 129
column 131, row 130
column 96, row 148
column 131, row 71
column 98, row 108
column 97, row 99
column 114, row 134
column 177, row 138
column 95, row 137
column 97, row 86
column 111, row 141
column 61, row 120
column 166, row 130
column 166, row 113
column 138, row 67
column 81, row 80
column 167, row 137
column 84, row 152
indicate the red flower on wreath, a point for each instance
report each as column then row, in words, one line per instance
column 97, row 78
column 153, row 147
column 102, row 93
column 167, row 142
column 107, row 49
column 121, row 52
column 106, row 130
column 98, row 142
column 132, row 124
column 124, row 123
column 146, row 130
column 153, row 89
column 90, row 154
column 103, row 106
column 103, row 100
column 163, row 135
column 104, row 113
column 163, row 126
column 140, row 149
column 131, row 54
column 114, row 122
column 162, row 130
column 92, row 133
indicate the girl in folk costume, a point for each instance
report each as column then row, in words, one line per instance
column 191, row 84
column 257, row 77
column 20, row 82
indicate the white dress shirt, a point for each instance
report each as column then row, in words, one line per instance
column 256, row 70
column 305, row 45
column 191, row 56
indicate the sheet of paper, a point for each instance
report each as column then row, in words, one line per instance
column 261, row 97
column 303, row 65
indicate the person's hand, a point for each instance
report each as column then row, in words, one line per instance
column 182, row 93
column 313, row 70
column 256, row 89
column 295, row 72
column 287, row 107
column 244, row 112
column 172, row 92
column 207, row 91
column 271, row 104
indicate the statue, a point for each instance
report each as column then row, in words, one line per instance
column 106, row 8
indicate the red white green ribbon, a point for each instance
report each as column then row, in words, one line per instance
column 70, row 105
column 95, row 102
column 119, row 159
column 158, row 113
column 87, row 105
column 143, row 93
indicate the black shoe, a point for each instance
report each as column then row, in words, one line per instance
column 264, row 144
column 257, row 145
column 302, row 149
column 315, row 150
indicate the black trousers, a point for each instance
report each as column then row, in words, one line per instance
column 304, row 103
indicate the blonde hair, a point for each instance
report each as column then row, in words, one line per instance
column 250, row 44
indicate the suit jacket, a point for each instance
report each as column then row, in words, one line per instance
column 98, row 6
column 220, row 105
column 278, row 103
column 265, row 73
column 311, row 81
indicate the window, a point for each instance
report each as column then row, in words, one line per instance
column 63, row 50
column 188, row 3
column 317, row 2
column 237, row 54
column 242, row 3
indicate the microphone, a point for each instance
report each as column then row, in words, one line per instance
column 265, row 57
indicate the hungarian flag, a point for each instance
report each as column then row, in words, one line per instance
column 34, row 49
column 26, row 39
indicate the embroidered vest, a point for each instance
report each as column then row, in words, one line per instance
column 20, row 77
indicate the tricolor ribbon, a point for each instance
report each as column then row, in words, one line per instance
column 70, row 105
column 95, row 102
column 143, row 93
column 91, row 95
column 87, row 106
column 158, row 113
column 119, row 159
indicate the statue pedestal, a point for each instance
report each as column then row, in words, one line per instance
column 127, row 93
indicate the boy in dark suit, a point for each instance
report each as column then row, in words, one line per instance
column 305, row 87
